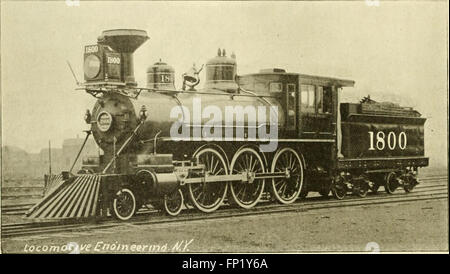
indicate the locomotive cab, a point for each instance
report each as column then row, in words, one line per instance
column 281, row 86
column 308, row 102
column 319, row 105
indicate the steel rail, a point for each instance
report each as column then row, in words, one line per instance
column 312, row 203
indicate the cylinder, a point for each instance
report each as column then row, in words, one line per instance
column 166, row 182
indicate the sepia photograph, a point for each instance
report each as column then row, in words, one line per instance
column 224, row 127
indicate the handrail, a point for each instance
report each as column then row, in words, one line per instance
column 88, row 132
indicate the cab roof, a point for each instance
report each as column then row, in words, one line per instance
column 305, row 78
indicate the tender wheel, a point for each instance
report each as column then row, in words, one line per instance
column 339, row 188
column 247, row 194
column 207, row 197
column 173, row 203
column 374, row 188
column 287, row 190
column 408, row 188
column 362, row 189
column 124, row 204
column 391, row 183
column 409, row 184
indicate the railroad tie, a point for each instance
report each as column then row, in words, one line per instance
column 74, row 198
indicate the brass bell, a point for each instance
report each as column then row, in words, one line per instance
column 191, row 78
column 191, row 75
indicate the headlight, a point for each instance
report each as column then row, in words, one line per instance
column 91, row 66
column 104, row 121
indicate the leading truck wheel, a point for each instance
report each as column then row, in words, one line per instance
column 124, row 204
column 173, row 203
column 287, row 190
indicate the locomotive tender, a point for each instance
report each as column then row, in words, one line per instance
column 161, row 146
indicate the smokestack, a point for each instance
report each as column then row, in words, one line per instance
column 125, row 42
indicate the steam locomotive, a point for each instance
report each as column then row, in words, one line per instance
column 242, row 138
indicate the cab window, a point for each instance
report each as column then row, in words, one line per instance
column 275, row 87
column 319, row 99
column 260, row 87
column 308, row 98
column 291, row 106
column 327, row 100
column 324, row 99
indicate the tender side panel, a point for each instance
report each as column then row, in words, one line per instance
column 372, row 136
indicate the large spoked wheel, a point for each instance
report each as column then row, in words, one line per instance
column 339, row 188
column 247, row 194
column 207, row 197
column 391, row 183
column 173, row 203
column 124, row 204
column 287, row 190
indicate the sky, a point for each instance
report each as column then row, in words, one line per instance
column 396, row 51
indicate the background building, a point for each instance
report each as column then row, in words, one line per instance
column 17, row 163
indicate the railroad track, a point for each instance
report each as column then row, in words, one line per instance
column 432, row 188
column 19, row 209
